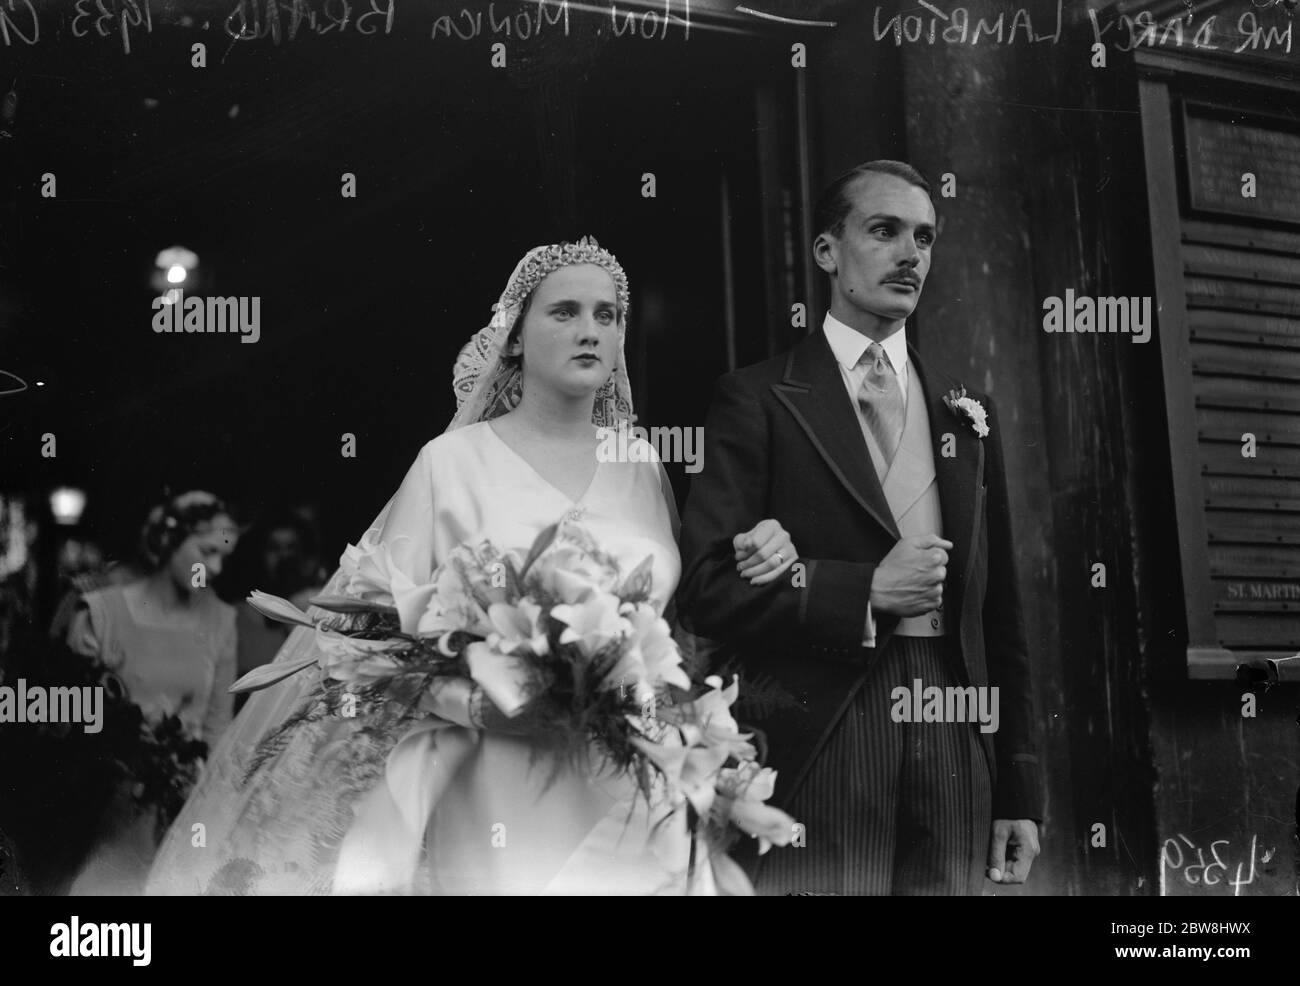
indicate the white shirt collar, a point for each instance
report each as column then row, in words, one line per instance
column 849, row 344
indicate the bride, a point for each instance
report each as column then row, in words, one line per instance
column 313, row 811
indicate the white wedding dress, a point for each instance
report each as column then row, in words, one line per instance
column 504, row 821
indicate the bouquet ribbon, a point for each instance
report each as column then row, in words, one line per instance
column 381, row 850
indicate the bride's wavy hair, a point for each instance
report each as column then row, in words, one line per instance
column 171, row 522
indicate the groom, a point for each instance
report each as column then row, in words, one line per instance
column 888, row 663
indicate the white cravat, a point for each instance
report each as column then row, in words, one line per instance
column 848, row 345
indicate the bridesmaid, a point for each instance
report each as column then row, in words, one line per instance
column 173, row 645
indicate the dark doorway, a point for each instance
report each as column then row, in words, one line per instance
column 460, row 167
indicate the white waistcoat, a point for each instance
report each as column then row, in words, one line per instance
column 912, row 491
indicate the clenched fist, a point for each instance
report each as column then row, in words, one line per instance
column 909, row 580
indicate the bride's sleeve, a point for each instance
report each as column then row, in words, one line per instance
column 406, row 523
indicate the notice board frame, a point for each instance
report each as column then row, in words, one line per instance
column 1163, row 81
column 1197, row 107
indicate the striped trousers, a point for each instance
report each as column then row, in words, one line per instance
column 889, row 807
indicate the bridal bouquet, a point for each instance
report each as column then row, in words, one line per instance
column 561, row 646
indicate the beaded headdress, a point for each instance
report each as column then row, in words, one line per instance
column 488, row 383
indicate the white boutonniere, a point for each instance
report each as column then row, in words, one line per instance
column 969, row 409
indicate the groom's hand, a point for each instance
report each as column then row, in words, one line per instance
column 909, row 580
column 1012, row 849
column 764, row 552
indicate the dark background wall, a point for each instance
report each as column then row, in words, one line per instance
column 460, row 169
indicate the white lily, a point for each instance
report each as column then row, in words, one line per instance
column 504, row 678
column 571, row 573
column 269, row 674
column 743, row 791
column 370, row 569
column 691, row 771
column 519, row 628
column 353, row 660
column 276, row 608
column 711, row 711
column 650, row 656
column 412, row 602
column 592, row 622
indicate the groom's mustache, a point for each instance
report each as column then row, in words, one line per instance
column 904, row 277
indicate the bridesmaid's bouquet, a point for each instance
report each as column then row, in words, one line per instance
column 563, row 648
column 80, row 785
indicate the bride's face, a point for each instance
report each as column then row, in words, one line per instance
column 569, row 336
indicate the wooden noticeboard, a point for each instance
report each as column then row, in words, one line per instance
column 1222, row 146
column 1227, row 268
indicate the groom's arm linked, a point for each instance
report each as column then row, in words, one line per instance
column 822, row 607
column 822, row 616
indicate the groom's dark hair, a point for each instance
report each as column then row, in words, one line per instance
column 833, row 204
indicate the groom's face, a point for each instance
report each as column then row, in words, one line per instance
column 879, row 263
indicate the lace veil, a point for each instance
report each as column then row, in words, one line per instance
column 274, row 823
column 488, row 382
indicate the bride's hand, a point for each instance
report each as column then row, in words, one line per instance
column 764, row 552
